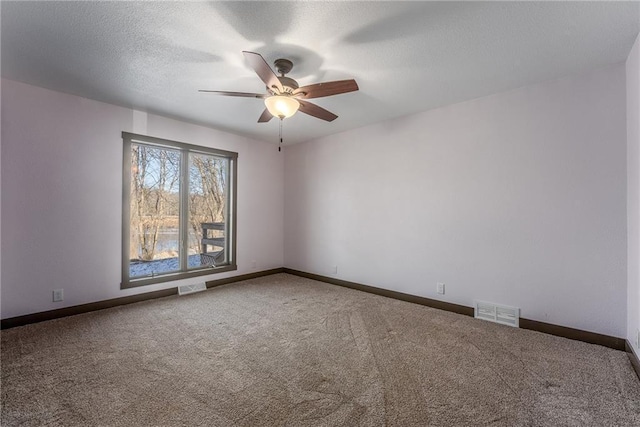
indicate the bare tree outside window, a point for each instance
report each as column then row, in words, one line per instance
column 155, row 174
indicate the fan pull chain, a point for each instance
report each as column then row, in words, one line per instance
column 280, row 145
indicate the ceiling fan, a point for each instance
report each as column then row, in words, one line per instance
column 284, row 96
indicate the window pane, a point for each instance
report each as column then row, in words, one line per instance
column 208, row 181
column 154, row 243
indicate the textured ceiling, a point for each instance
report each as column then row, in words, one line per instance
column 406, row 56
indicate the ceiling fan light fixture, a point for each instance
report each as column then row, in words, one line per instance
column 281, row 106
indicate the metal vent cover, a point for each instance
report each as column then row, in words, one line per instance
column 497, row 313
column 190, row 289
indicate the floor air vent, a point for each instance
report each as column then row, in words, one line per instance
column 189, row 289
column 497, row 313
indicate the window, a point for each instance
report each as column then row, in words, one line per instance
column 178, row 210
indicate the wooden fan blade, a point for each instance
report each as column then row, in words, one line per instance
column 242, row 94
column 315, row 111
column 319, row 90
column 265, row 116
column 263, row 70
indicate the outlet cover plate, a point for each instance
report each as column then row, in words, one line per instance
column 58, row 295
column 440, row 288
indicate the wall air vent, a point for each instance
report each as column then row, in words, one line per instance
column 502, row 314
column 190, row 289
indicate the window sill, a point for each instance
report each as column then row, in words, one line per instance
column 170, row 277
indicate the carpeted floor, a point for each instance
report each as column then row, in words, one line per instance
column 283, row 350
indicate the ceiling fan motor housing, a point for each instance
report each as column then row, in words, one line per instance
column 289, row 84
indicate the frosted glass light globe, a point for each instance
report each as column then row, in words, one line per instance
column 282, row 106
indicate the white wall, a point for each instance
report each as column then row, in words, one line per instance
column 62, row 197
column 517, row 198
column 633, row 194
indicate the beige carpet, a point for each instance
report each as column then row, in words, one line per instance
column 283, row 350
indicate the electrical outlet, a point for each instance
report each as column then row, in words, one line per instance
column 440, row 288
column 58, row 295
column 334, row 269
